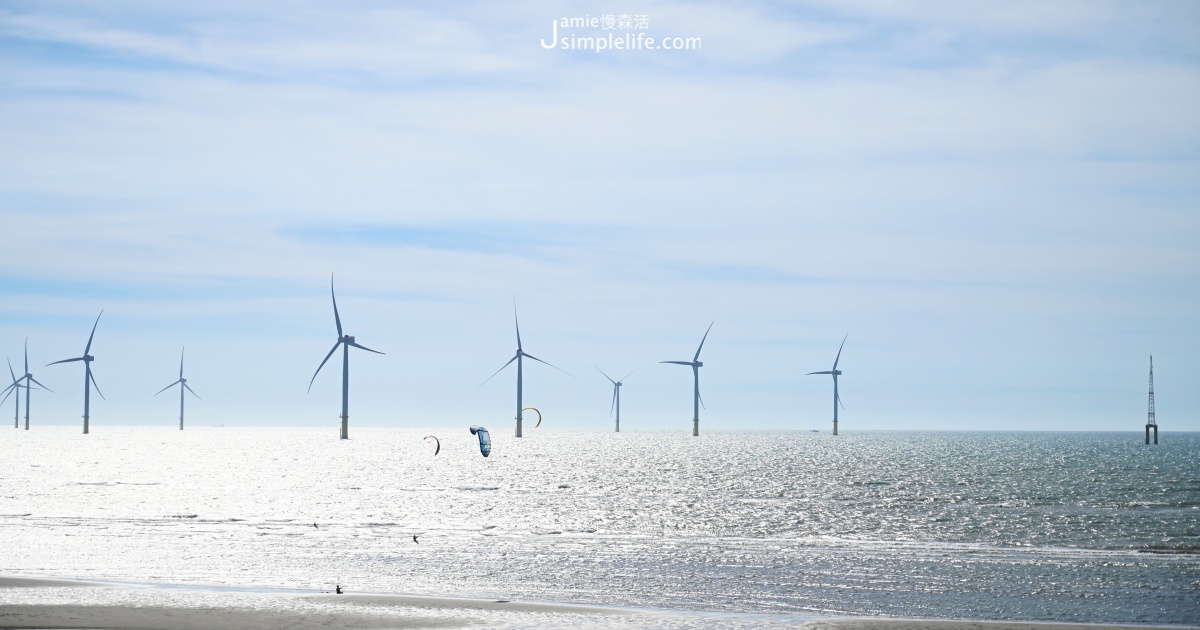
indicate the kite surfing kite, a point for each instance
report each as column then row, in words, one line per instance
column 485, row 439
column 534, row 409
column 435, row 441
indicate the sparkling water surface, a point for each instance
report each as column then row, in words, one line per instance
column 1090, row 527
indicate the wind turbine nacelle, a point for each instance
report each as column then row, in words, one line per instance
column 348, row 338
column 88, row 357
column 183, row 380
column 698, row 363
column 837, row 372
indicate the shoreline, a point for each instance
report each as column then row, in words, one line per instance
column 37, row 602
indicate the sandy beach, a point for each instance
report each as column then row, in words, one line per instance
column 49, row 603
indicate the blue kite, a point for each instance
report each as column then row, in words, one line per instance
column 485, row 439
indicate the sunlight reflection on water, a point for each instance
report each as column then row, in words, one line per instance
column 1053, row 526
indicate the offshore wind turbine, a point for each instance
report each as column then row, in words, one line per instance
column 8, row 391
column 88, row 379
column 518, row 357
column 182, row 383
column 29, row 380
column 345, row 341
column 616, row 401
column 837, row 400
column 696, row 364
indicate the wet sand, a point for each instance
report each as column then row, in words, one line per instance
column 45, row 603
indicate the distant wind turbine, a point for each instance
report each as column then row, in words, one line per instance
column 182, row 383
column 88, row 379
column 616, row 401
column 8, row 391
column 518, row 358
column 345, row 341
column 28, row 378
column 696, row 364
column 837, row 400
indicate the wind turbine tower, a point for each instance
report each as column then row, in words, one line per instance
column 616, row 401
column 88, row 379
column 15, row 387
column 182, row 383
column 696, row 364
column 1150, row 422
column 837, row 400
column 518, row 357
column 345, row 341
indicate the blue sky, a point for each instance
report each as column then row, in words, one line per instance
column 997, row 201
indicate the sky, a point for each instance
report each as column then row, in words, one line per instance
column 997, row 203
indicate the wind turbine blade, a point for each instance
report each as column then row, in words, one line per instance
column 697, row 357
column 614, row 400
column 89, row 344
column 40, row 385
column 363, row 347
column 626, row 376
column 498, row 371
column 825, row 372
column 14, row 374
column 166, row 388
column 336, row 319
column 335, row 347
column 701, row 400
column 190, row 390
column 8, row 392
column 65, row 361
column 181, row 361
column 677, row 362
column 26, row 356
column 518, row 323
column 839, row 400
column 839, row 354
column 550, row 364
column 97, row 385
column 597, row 369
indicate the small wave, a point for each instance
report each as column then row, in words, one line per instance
column 477, row 488
column 16, row 515
column 1171, row 549
column 183, row 516
column 92, row 483
column 133, row 483
column 546, row 532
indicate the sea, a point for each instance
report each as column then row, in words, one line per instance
column 1037, row 526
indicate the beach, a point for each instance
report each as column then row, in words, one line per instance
column 27, row 602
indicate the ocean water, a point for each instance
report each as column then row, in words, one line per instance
column 1081, row 527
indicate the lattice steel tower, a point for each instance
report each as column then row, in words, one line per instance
column 1150, row 423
